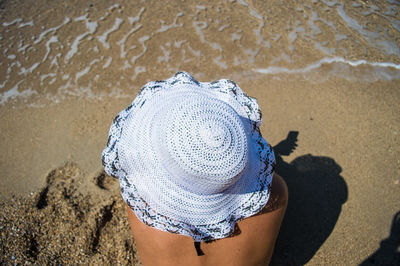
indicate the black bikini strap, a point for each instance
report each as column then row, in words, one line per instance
column 198, row 249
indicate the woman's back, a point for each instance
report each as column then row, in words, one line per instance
column 252, row 244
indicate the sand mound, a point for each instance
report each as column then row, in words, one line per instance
column 73, row 219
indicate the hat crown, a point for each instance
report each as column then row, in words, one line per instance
column 202, row 142
column 212, row 134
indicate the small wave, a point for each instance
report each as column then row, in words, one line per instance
column 319, row 63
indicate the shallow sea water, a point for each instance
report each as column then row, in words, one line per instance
column 53, row 50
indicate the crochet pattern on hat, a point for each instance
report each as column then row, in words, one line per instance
column 190, row 157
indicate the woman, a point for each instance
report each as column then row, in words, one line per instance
column 196, row 174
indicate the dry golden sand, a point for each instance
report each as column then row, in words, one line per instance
column 73, row 219
column 343, row 176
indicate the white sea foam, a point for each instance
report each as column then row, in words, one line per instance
column 15, row 21
column 284, row 70
column 394, row 2
column 251, row 54
column 114, row 6
column 196, row 53
column 4, row 83
column 52, row 81
column 54, row 61
column 15, row 93
column 292, row 36
column 103, row 38
column 122, row 42
column 108, row 62
column 49, row 75
column 235, row 37
column 373, row 38
column 45, row 76
column 87, row 69
column 95, row 61
column 199, row 27
column 79, row 74
column 165, row 57
column 186, row 59
column 391, row 11
column 315, row 30
column 236, row 61
column 25, row 71
column 108, row 12
column 330, row 3
column 63, row 90
column 143, row 41
column 53, row 29
column 53, row 39
column 126, row 65
column 216, row 46
column 132, row 20
column 91, row 26
column 218, row 61
column 391, row 15
column 322, row 47
column 81, row 18
column 282, row 57
column 340, row 37
column 30, row 23
column 174, row 24
column 10, row 67
column 372, row 9
column 138, row 70
column 135, row 19
column 178, row 44
column 260, row 39
column 252, row 11
column 23, row 48
column 221, row 28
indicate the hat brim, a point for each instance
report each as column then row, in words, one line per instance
column 202, row 217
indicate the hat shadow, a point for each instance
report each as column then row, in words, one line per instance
column 389, row 250
column 316, row 194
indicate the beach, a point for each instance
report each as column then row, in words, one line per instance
column 325, row 75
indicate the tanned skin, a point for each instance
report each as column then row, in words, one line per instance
column 252, row 243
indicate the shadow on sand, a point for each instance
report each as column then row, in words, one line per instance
column 389, row 250
column 316, row 194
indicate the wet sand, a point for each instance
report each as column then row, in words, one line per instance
column 342, row 168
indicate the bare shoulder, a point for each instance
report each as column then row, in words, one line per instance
column 279, row 195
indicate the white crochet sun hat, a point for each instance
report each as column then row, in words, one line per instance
column 190, row 157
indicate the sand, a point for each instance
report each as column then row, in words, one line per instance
column 68, row 222
column 344, row 190
column 335, row 128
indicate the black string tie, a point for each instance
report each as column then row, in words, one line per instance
column 198, row 249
